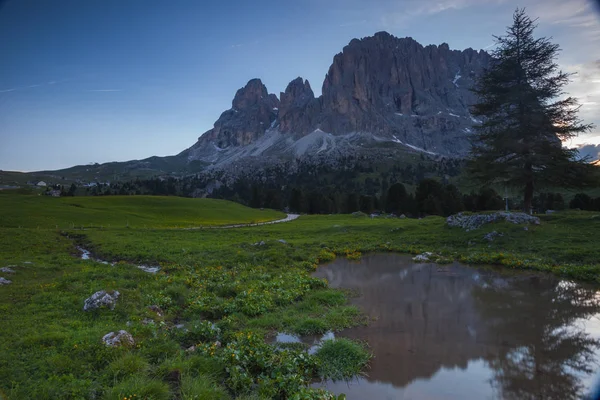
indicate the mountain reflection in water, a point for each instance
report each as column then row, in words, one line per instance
column 452, row 331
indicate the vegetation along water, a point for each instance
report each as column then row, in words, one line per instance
column 203, row 324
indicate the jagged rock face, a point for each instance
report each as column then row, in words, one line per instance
column 252, row 113
column 379, row 89
column 398, row 88
column 298, row 109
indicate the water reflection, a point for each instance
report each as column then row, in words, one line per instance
column 550, row 348
column 457, row 332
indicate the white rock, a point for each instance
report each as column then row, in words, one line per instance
column 121, row 338
column 101, row 299
column 423, row 257
column 4, row 281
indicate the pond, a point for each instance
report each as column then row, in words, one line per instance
column 458, row 332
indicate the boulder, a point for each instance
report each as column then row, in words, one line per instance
column 101, row 299
column 7, row 270
column 474, row 221
column 4, row 281
column 492, row 235
column 121, row 338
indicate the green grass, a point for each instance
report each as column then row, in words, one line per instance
column 341, row 359
column 124, row 211
column 52, row 349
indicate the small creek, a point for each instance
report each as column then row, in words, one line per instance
column 87, row 255
column 457, row 332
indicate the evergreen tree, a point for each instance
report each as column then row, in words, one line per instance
column 296, row 200
column 396, row 196
column 72, row 189
column 429, row 195
column 519, row 140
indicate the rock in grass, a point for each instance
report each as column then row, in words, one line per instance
column 423, row 257
column 491, row 236
column 121, row 338
column 7, row 270
column 101, row 299
column 4, row 281
column 156, row 309
column 474, row 221
column 282, row 241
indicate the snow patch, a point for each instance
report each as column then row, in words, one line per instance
column 454, row 115
column 275, row 109
column 414, row 115
column 396, row 140
column 477, row 121
column 400, row 114
column 456, row 78
column 467, row 130
column 420, row 149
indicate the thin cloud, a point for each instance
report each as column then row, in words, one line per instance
column 105, row 90
column 32, row 86
column 409, row 10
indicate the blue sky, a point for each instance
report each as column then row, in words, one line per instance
column 115, row 80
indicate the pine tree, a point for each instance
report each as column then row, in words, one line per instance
column 525, row 117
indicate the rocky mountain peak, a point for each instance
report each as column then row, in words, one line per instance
column 253, row 94
column 298, row 107
column 297, row 93
column 253, row 112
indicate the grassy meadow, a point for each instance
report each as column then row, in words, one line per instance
column 38, row 211
column 220, row 292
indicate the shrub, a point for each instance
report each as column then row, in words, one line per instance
column 326, row 256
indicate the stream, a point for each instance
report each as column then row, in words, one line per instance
column 87, row 255
column 458, row 332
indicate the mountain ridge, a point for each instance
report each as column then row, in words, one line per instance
column 378, row 89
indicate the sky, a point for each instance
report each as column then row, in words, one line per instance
column 116, row 80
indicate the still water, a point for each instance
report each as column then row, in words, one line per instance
column 456, row 332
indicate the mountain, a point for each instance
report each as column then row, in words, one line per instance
column 383, row 98
column 380, row 91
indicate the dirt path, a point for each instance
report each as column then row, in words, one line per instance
column 290, row 217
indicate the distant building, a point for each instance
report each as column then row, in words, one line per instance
column 41, row 183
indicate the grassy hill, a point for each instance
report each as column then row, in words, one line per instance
column 36, row 211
